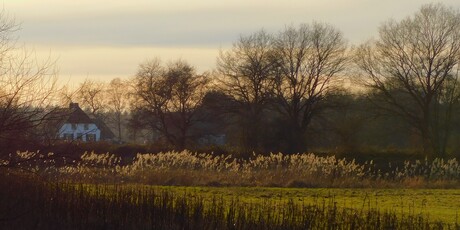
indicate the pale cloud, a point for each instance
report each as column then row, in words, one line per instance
column 198, row 23
column 185, row 22
column 111, row 37
column 106, row 62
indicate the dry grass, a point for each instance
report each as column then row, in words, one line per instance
column 275, row 170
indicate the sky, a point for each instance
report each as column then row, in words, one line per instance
column 105, row 39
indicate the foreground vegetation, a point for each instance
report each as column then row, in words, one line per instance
column 48, row 191
column 28, row 203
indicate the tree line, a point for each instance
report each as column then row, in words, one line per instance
column 303, row 88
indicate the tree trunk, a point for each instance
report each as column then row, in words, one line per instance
column 119, row 127
column 296, row 139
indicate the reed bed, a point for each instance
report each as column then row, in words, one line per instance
column 274, row 170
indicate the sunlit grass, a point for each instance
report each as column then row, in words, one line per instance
column 438, row 204
column 31, row 204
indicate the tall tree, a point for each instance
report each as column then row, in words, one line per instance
column 309, row 58
column 168, row 98
column 91, row 95
column 117, row 101
column 412, row 70
column 27, row 88
column 246, row 76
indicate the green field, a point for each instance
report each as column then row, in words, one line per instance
column 437, row 204
column 32, row 204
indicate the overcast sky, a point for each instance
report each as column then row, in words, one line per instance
column 103, row 39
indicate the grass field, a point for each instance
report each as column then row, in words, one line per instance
column 438, row 204
column 27, row 203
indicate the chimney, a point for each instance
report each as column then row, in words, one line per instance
column 73, row 105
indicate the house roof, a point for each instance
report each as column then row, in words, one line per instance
column 77, row 115
column 73, row 114
column 106, row 132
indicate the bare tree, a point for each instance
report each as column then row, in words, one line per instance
column 117, row 101
column 67, row 95
column 412, row 70
column 309, row 59
column 27, row 87
column 168, row 98
column 246, row 76
column 91, row 95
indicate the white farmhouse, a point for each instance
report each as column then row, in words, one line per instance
column 77, row 125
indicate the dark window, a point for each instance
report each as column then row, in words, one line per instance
column 68, row 136
column 79, row 136
column 90, row 137
column 74, row 126
column 86, row 126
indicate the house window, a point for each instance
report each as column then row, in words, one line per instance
column 67, row 136
column 74, row 126
column 86, row 126
column 79, row 136
column 90, row 137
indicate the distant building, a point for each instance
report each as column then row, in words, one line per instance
column 212, row 139
column 74, row 124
